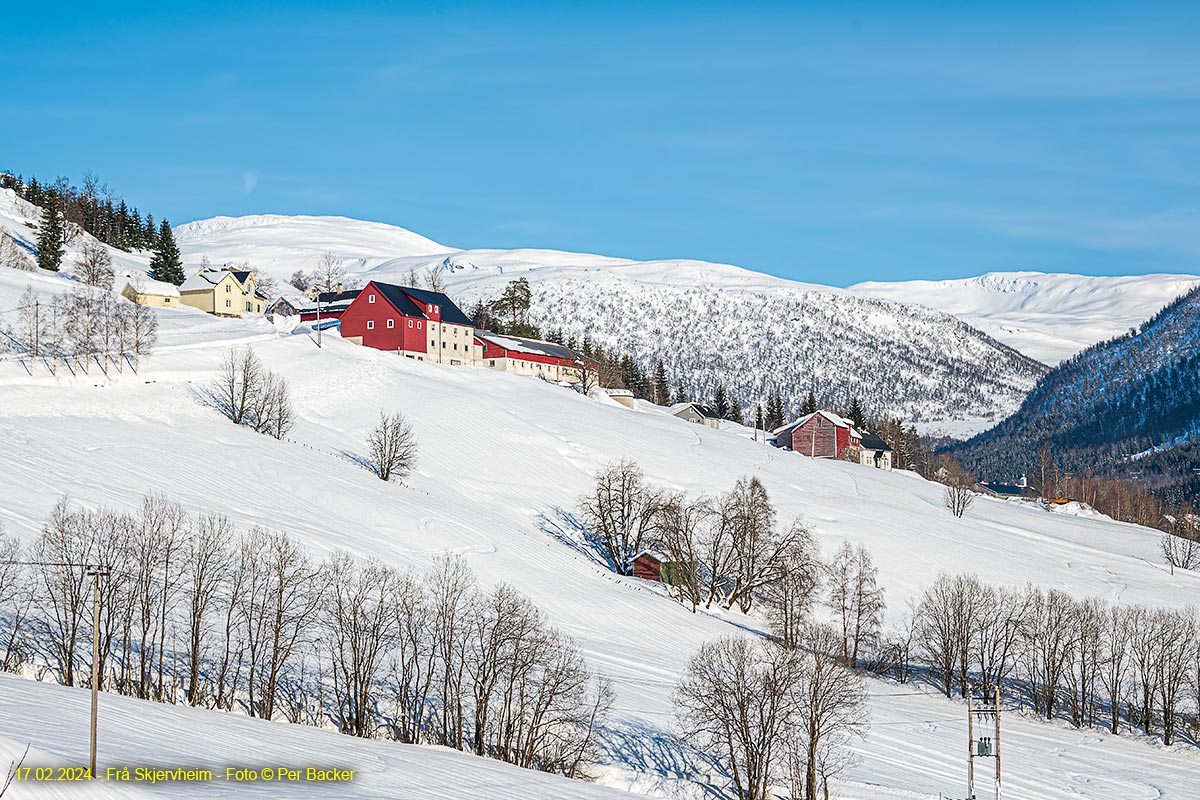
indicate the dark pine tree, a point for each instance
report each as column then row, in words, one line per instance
column 51, row 239
column 856, row 415
column 721, row 402
column 680, row 394
column 760, row 419
column 662, row 390
column 735, row 411
column 166, row 265
column 809, row 405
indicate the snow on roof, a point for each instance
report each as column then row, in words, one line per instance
column 839, row 421
column 146, row 285
column 699, row 408
column 206, row 279
column 200, row 281
column 535, row 347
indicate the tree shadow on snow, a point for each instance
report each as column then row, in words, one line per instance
column 361, row 461
column 568, row 529
column 658, row 753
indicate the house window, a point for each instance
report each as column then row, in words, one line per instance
column 410, row 323
column 229, row 304
column 370, row 298
column 443, row 345
column 370, row 324
column 228, row 288
column 429, row 307
column 456, row 345
column 249, row 307
column 391, row 323
column 492, row 363
column 432, row 343
column 418, row 324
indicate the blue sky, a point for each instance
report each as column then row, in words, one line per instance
column 923, row 140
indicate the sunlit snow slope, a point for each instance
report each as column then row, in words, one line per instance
column 500, row 456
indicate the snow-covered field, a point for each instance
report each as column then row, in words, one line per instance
column 1050, row 317
column 501, row 456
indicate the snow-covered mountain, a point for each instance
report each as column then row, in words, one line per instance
column 281, row 244
column 1047, row 316
column 1135, row 395
column 500, row 458
column 709, row 323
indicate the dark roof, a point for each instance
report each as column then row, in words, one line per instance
column 872, row 442
column 450, row 312
column 1003, row 488
column 325, row 298
column 397, row 297
column 241, row 276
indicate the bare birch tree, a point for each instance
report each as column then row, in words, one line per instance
column 392, row 446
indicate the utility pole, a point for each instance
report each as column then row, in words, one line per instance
column 970, row 746
column 318, row 317
column 96, row 572
column 997, row 701
column 986, row 746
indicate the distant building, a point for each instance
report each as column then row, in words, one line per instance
column 622, row 396
column 874, row 452
column 653, row 565
column 224, row 292
column 821, row 434
column 697, row 413
column 415, row 323
column 1018, row 489
column 149, row 292
column 288, row 305
column 330, row 305
column 522, row 356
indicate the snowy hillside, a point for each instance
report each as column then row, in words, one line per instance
column 19, row 220
column 709, row 323
column 1047, row 316
column 501, row 457
column 281, row 245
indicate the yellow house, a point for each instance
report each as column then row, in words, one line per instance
column 224, row 292
column 148, row 292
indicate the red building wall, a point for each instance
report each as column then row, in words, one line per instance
column 820, row 438
column 399, row 337
column 648, row 567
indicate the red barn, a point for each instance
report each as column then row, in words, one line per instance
column 821, row 434
column 648, row 566
column 416, row 323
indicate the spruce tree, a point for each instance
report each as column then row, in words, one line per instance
column 721, row 402
column 810, row 404
column 760, row 419
column 856, row 414
column 775, row 412
column 680, row 394
column 51, row 239
column 662, row 390
column 735, row 412
column 167, row 265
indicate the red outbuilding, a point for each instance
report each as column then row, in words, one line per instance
column 821, row 434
